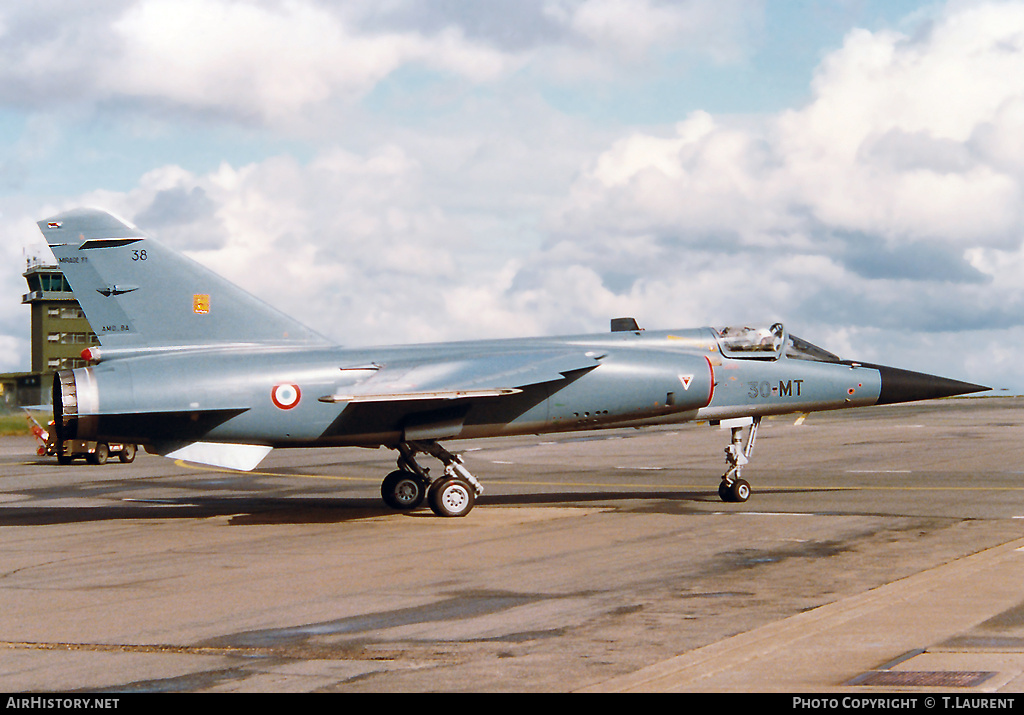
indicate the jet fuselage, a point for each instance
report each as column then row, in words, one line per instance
column 628, row 379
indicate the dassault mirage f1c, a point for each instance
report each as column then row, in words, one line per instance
column 197, row 369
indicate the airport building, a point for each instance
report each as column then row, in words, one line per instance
column 59, row 334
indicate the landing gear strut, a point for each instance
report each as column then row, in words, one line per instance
column 737, row 454
column 452, row 494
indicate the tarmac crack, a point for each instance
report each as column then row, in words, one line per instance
column 263, row 653
column 138, row 648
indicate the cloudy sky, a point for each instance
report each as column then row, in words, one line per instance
column 415, row 170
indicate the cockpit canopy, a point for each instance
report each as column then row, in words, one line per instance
column 754, row 342
column 761, row 342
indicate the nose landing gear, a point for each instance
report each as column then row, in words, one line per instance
column 737, row 454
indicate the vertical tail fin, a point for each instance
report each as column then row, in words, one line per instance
column 138, row 293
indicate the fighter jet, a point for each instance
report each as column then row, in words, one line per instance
column 195, row 368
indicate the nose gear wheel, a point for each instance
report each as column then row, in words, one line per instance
column 737, row 454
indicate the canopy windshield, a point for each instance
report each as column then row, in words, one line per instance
column 803, row 350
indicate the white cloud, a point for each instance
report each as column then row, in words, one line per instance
column 940, row 95
column 631, row 29
column 269, row 61
column 635, row 41
column 258, row 61
column 872, row 155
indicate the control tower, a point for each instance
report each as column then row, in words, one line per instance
column 60, row 331
column 59, row 334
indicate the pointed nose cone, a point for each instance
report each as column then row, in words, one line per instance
column 906, row 386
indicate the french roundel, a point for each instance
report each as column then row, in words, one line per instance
column 285, row 396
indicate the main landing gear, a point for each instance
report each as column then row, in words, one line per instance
column 737, row 454
column 452, row 494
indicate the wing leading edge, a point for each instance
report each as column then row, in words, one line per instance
column 437, row 396
column 464, row 377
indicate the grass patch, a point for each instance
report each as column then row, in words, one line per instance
column 14, row 424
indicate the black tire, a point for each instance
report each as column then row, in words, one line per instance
column 127, row 455
column 403, row 490
column 740, row 491
column 724, row 492
column 100, row 455
column 62, row 458
column 451, row 496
